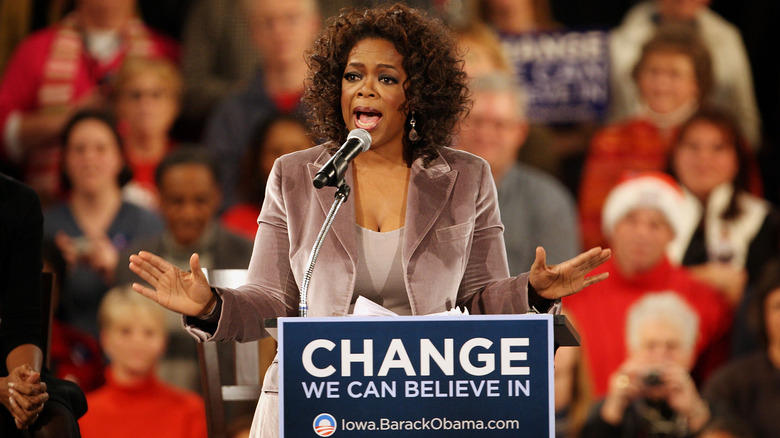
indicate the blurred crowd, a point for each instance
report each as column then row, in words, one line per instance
column 153, row 125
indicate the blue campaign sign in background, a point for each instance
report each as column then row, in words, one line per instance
column 565, row 74
column 430, row 376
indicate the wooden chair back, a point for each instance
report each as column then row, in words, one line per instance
column 230, row 372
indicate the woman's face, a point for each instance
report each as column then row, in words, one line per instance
column 147, row 105
column 704, row 158
column 93, row 159
column 667, row 80
column 372, row 92
column 283, row 137
column 772, row 317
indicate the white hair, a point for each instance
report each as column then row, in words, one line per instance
column 503, row 83
column 662, row 307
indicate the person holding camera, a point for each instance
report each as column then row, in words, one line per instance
column 652, row 394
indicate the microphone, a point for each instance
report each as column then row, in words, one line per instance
column 358, row 140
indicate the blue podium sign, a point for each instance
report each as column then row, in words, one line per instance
column 422, row 376
column 565, row 74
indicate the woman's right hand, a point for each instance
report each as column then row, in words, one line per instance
column 188, row 293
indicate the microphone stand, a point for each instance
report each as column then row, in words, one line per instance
column 341, row 196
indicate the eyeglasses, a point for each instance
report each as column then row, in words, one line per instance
column 155, row 94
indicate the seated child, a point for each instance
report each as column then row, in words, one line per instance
column 133, row 402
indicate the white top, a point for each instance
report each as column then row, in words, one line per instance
column 380, row 273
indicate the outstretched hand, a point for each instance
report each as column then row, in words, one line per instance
column 188, row 293
column 569, row 277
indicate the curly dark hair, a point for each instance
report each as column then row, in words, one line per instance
column 435, row 88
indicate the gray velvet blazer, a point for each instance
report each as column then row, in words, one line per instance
column 453, row 248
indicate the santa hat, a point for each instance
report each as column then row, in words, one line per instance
column 644, row 190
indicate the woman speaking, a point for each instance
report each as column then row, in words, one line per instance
column 421, row 232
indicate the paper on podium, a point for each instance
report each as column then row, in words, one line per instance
column 366, row 307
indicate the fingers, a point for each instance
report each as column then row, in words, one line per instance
column 28, row 374
column 592, row 258
column 540, row 261
column 149, row 266
column 147, row 292
column 27, row 389
column 195, row 268
column 22, row 401
column 24, row 410
column 156, row 261
column 143, row 270
column 595, row 279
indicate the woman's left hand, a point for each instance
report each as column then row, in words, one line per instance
column 569, row 277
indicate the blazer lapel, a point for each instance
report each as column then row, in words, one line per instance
column 429, row 192
column 343, row 226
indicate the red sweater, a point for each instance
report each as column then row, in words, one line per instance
column 148, row 410
column 599, row 314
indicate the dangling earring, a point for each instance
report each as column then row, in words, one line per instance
column 413, row 136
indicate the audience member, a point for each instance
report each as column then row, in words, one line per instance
column 547, row 146
column 652, row 393
column 517, row 16
column 728, row 234
column 640, row 219
column 147, row 94
column 75, row 355
column 189, row 201
column 573, row 393
column 748, row 387
column 19, row 18
column 733, row 80
column 133, row 402
column 278, row 135
column 218, row 57
column 535, row 208
column 482, row 51
column 94, row 225
column 60, row 70
column 281, row 32
column 32, row 402
column 673, row 75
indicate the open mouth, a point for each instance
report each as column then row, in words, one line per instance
column 367, row 118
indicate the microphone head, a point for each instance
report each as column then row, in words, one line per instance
column 363, row 136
